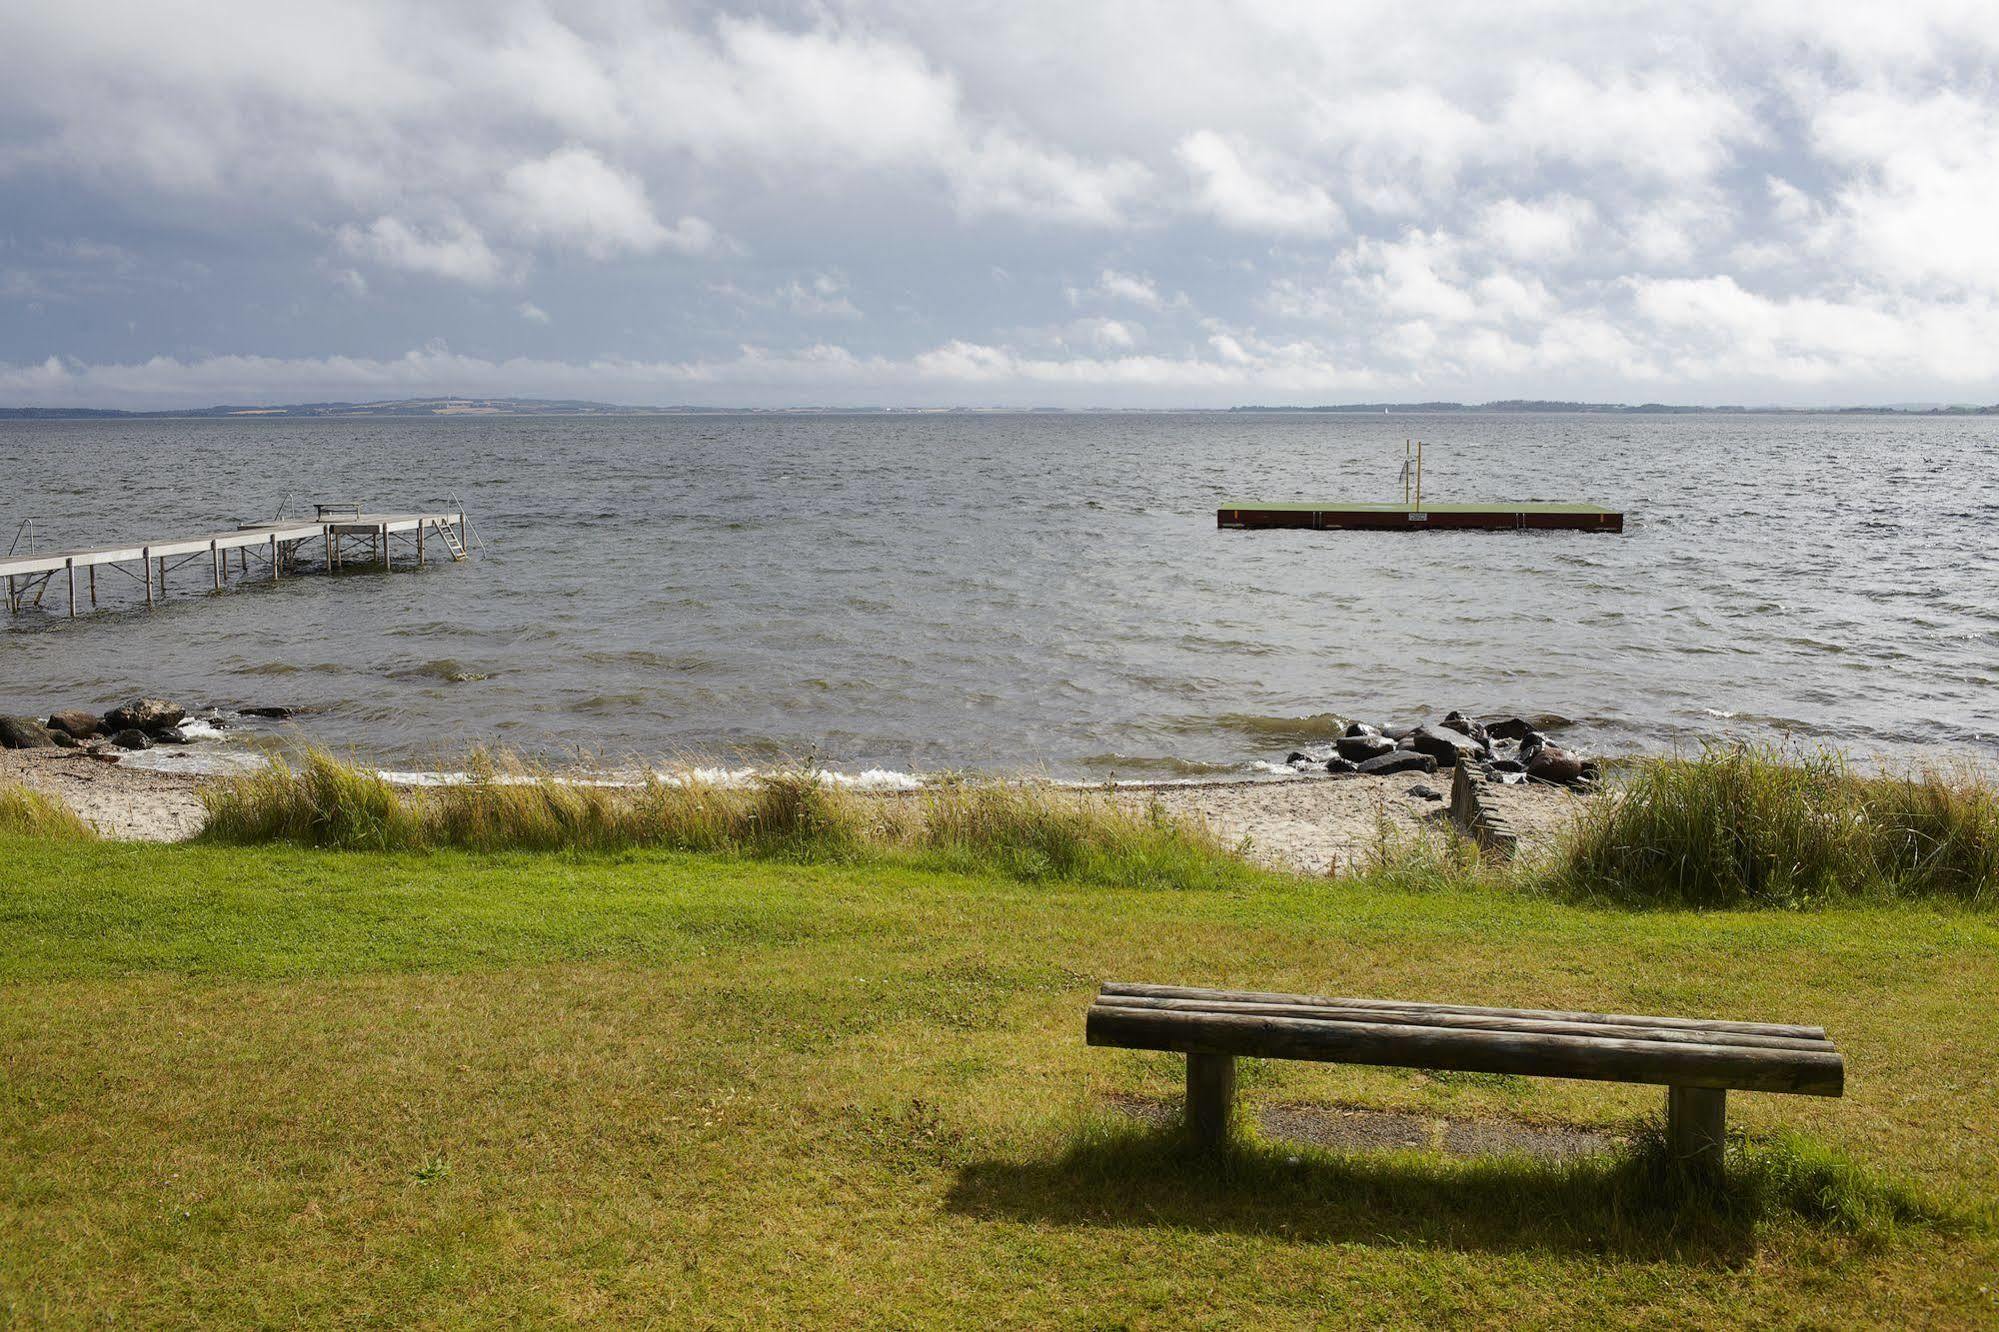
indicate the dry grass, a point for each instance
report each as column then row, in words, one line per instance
column 1022, row 831
column 1749, row 826
column 26, row 813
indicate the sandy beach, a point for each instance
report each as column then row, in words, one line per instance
column 1313, row 826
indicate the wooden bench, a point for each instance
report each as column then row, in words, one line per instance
column 1697, row 1061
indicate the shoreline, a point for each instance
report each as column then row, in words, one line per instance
column 1306, row 824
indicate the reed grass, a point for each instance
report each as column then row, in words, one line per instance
column 1023, row 831
column 25, row 813
column 1757, row 826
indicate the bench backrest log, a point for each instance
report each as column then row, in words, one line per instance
column 1611, row 1047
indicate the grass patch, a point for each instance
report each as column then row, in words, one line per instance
column 272, row 1084
column 25, row 813
column 1635, row 1202
column 1027, row 832
column 1747, row 826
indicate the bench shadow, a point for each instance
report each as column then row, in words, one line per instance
column 1629, row 1202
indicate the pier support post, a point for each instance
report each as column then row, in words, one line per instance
column 274, row 557
column 163, row 575
column 69, row 568
column 146, row 568
column 93, row 587
column 215, row 564
column 419, row 543
column 13, row 601
column 330, row 566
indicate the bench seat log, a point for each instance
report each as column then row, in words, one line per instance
column 1263, row 996
column 1697, row 1061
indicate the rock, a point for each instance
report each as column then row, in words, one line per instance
column 1360, row 747
column 1398, row 732
column 1426, row 793
column 1509, row 728
column 24, row 733
column 1445, row 745
column 1401, row 760
column 75, row 723
column 1362, row 728
column 1341, row 765
column 173, row 735
column 1464, row 725
column 273, row 711
column 1508, row 765
column 1556, row 765
column 132, row 738
column 151, row 715
column 64, row 740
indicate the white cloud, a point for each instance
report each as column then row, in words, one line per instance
column 1253, row 196
column 572, row 197
column 531, row 312
column 1112, row 285
column 1542, row 231
column 452, row 249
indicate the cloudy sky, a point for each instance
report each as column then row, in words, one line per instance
column 1013, row 203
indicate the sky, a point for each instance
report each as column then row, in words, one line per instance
column 1017, row 203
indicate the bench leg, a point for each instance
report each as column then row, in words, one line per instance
column 1210, row 1098
column 1695, row 1126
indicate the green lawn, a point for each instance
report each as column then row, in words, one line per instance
column 269, row 1085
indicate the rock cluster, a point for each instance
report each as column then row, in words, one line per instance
column 138, row 724
column 1506, row 749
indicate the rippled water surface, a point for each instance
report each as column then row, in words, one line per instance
column 1039, row 591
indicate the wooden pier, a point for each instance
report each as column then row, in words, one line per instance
column 1350, row 516
column 338, row 535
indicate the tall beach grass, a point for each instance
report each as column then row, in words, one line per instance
column 1023, row 831
column 26, row 813
column 1755, row 826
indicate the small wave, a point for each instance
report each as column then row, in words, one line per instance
column 1165, row 763
column 873, row 779
column 1317, row 726
column 448, row 669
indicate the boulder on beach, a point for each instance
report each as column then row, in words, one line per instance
column 1559, row 766
column 1340, row 766
column 132, row 738
column 76, row 723
column 1509, row 728
column 1445, row 745
column 1362, row 728
column 276, row 712
column 1425, row 792
column 1400, row 760
column 151, row 715
column 1463, row 725
column 1361, row 747
column 24, row 733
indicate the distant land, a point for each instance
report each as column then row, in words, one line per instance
column 576, row 407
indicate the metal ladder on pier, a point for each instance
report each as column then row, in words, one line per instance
column 451, row 541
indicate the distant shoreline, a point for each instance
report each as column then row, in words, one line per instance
column 431, row 409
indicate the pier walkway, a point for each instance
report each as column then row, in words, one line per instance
column 339, row 534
